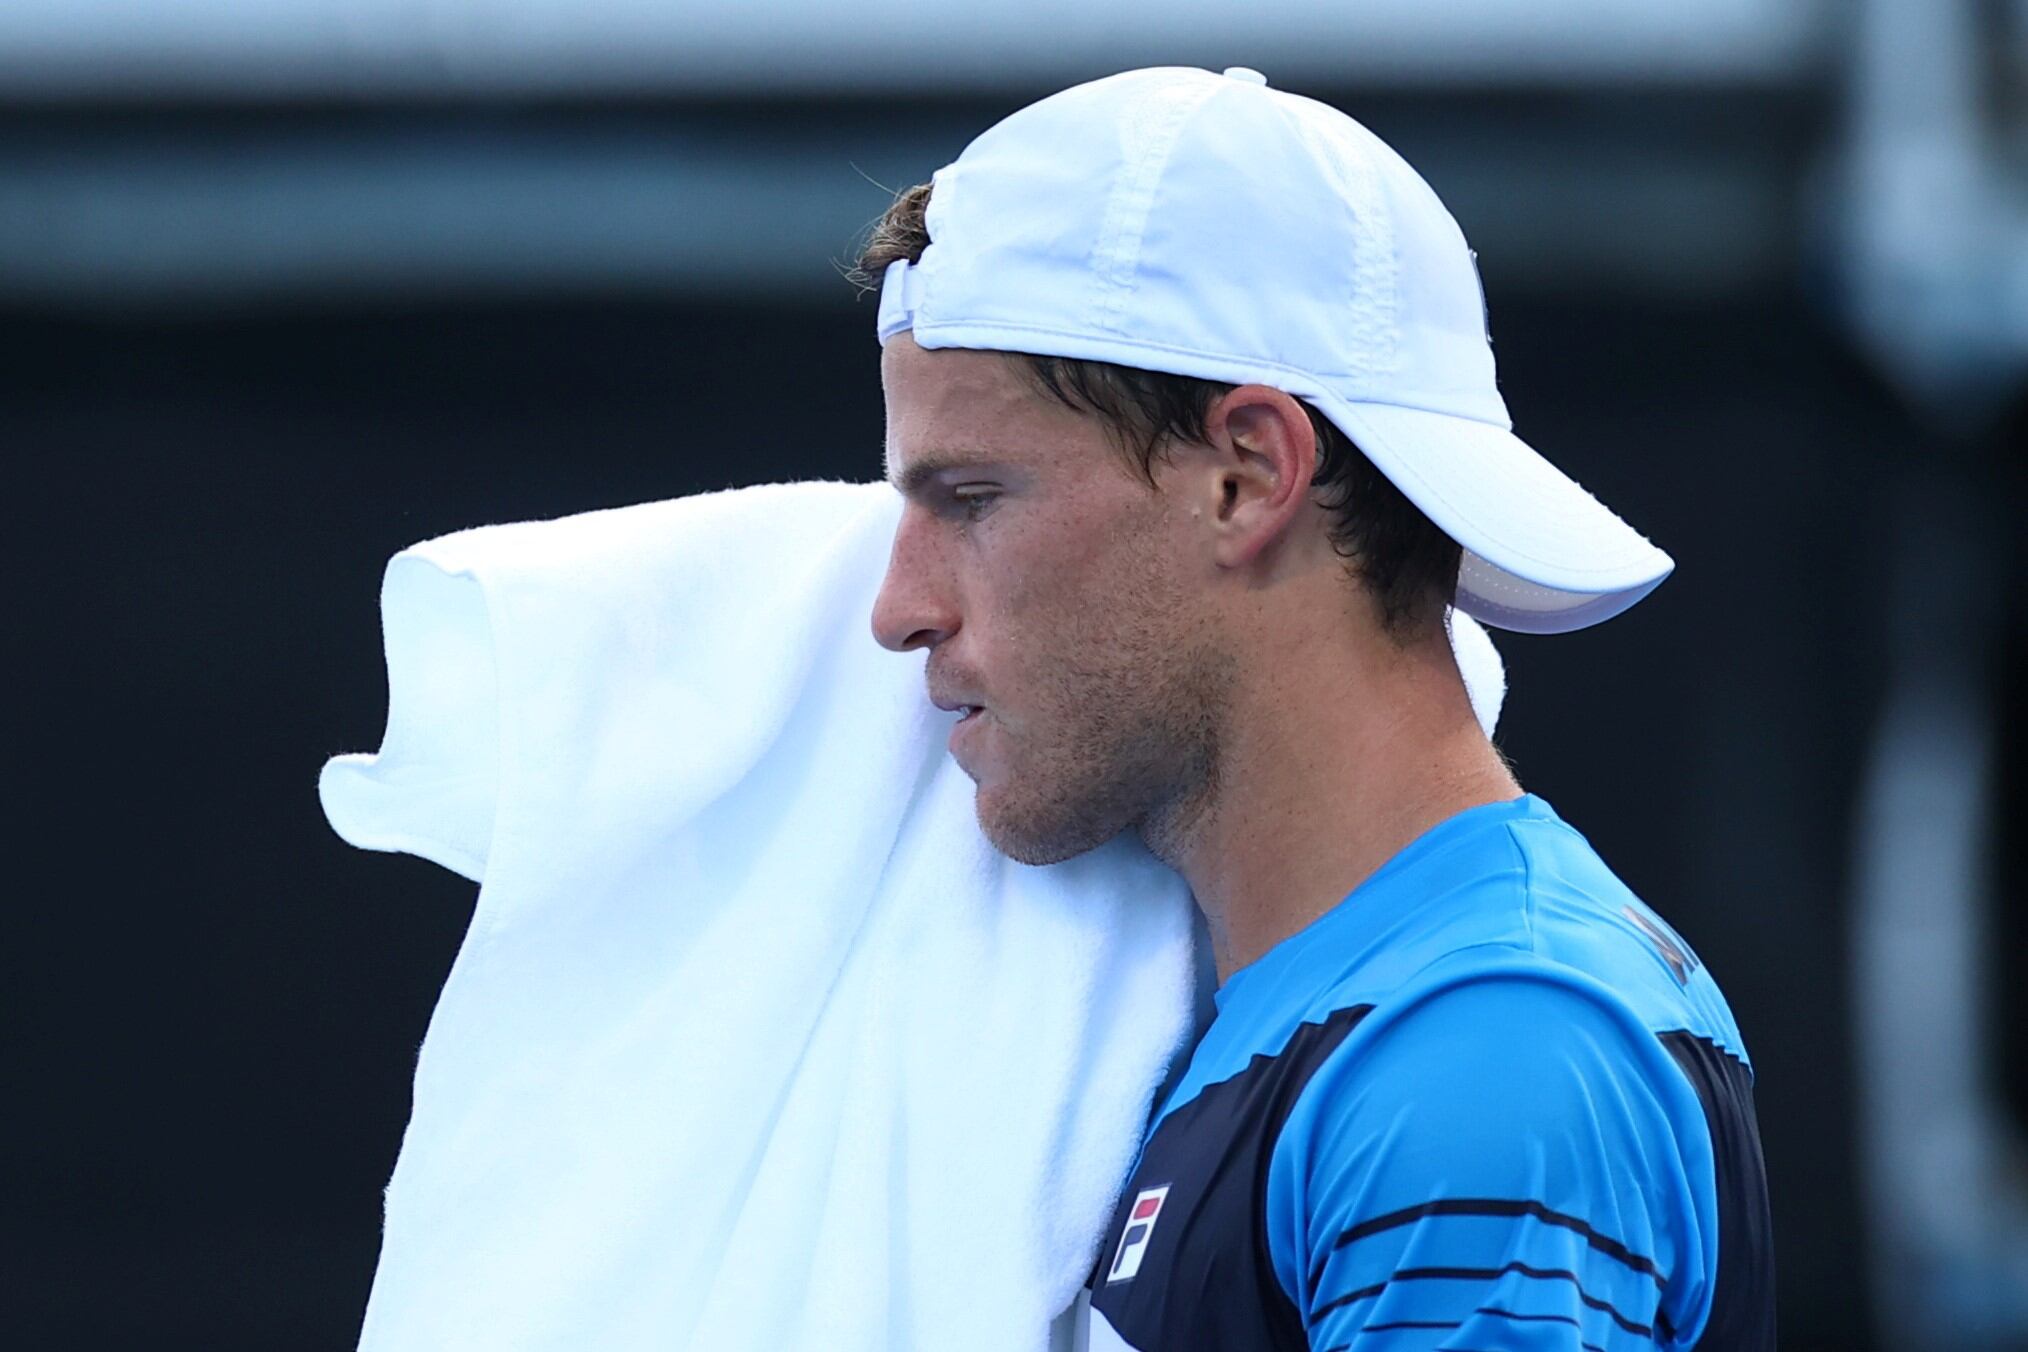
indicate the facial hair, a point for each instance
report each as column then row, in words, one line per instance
column 1124, row 732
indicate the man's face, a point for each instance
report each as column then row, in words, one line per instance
column 1060, row 595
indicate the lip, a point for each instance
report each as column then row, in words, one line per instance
column 963, row 726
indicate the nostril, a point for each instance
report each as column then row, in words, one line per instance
column 901, row 636
column 920, row 638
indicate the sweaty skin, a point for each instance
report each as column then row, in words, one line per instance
column 1193, row 662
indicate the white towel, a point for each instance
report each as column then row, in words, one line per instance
column 754, row 1042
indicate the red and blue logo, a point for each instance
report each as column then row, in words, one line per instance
column 1147, row 1209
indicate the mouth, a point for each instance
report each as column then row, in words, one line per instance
column 962, row 731
column 951, row 706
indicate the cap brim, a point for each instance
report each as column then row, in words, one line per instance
column 1542, row 555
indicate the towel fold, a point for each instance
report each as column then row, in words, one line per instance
column 753, row 1041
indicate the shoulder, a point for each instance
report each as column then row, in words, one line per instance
column 1506, row 1117
column 1582, row 918
column 1551, row 1047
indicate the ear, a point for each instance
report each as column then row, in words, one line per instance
column 1267, row 456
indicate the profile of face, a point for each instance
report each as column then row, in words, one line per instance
column 1060, row 595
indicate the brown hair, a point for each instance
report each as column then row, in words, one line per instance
column 1409, row 566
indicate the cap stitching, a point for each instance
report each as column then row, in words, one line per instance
column 1149, row 138
column 1376, row 259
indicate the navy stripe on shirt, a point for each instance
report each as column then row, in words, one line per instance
column 1489, row 1206
column 1402, row 1325
column 1490, row 1274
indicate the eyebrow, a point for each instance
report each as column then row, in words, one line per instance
column 909, row 483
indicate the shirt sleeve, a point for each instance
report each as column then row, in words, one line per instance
column 1511, row 1163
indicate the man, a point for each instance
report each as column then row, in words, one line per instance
column 1191, row 400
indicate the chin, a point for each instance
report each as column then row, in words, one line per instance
column 1036, row 837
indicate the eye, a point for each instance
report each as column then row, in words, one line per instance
column 974, row 499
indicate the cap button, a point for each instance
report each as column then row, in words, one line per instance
column 1245, row 75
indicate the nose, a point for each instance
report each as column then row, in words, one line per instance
column 914, row 608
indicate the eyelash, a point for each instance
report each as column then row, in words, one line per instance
column 971, row 505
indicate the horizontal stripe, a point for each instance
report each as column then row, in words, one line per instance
column 1489, row 1274
column 1346, row 1347
column 1529, row 1318
column 1489, row 1206
column 1587, row 1347
column 1401, row 1325
column 1539, row 1318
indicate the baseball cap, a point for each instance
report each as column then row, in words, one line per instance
column 1207, row 225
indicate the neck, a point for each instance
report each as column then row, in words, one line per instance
column 1315, row 791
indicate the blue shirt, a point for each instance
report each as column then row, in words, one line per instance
column 1488, row 1101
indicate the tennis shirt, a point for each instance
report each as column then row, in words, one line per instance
column 1487, row 1103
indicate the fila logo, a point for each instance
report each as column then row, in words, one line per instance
column 1141, row 1220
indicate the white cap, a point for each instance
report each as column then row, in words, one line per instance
column 1206, row 225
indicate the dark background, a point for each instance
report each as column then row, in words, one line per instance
column 216, row 1004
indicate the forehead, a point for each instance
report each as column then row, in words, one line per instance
column 946, row 384
column 956, row 403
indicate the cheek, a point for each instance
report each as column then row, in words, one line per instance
column 1036, row 574
column 1084, row 600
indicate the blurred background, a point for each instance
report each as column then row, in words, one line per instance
column 286, row 285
